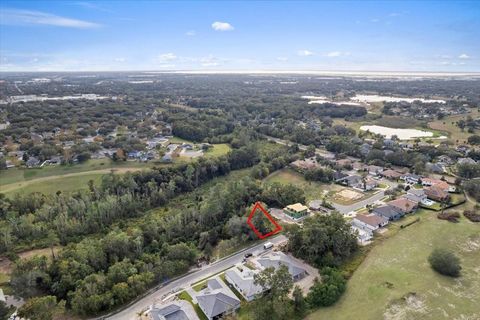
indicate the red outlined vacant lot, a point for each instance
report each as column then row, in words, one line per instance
column 258, row 209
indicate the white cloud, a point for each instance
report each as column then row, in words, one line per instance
column 334, row 54
column 119, row 59
column 166, row 57
column 464, row 56
column 283, row 59
column 304, row 53
column 222, row 26
column 27, row 17
column 374, row 20
column 191, row 33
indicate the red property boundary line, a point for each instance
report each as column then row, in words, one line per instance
column 277, row 229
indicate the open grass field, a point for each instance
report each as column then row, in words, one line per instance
column 67, row 178
column 14, row 175
column 313, row 190
column 448, row 125
column 395, row 280
column 218, row 150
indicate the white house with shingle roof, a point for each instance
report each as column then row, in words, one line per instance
column 217, row 299
column 242, row 279
column 277, row 259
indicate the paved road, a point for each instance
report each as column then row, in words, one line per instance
column 360, row 204
column 344, row 209
column 131, row 311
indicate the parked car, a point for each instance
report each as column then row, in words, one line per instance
column 267, row 245
column 248, row 255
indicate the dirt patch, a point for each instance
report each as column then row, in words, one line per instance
column 472, row 244
column 6, row 264
column 349, row 195
column 410, row 306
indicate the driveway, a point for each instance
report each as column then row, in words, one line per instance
column 130, row 312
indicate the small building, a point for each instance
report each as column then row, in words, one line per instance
column 242, row 278
column 296, row 210
column 388, row 212
column 32, row 162
column 363, row 236
column 217, row 300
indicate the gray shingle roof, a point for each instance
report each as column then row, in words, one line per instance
column 217, row 299
column 244, row 281
column 277, row 259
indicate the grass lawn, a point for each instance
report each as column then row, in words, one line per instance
column 218, row 150
column 395, row 280
column 185, row 296
column 448, row 124
column 15, row 175
column 313, row 190
column 64, row 184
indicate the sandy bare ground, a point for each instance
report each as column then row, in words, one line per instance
column 6, row 265
column 18, row 185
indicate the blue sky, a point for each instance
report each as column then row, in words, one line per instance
column 253, row 35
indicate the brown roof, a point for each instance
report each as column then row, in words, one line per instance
column 391, row 174
column 437, row 183
column 436, row 193
column 371, row 219
column 403, row 204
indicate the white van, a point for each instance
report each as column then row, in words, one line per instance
column 267, row 245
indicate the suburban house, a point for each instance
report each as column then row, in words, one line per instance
column 351, row 181
column 374, row 170
column 369, row 184
column 369, row 222
column 465, row 161
column 445, row 160
column 388, row 212
column 241, row 278
column 411, row 178
column 404, row 204
column 175, row 310
column 434, row 167
column 427, row 182
column 217, row 299
column 338, row 176
column 359, row 166
column 418, row 193
column 344, row 162
column 296, row 210
column 277, row 259
column 436, row 193
column 391, row 174
column 363, row 236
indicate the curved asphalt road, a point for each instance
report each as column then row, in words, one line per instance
column 130, row 312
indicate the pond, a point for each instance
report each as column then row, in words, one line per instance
column 402, row 134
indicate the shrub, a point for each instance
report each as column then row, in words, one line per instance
column 445, row 262
column 471, row 215
column 329, row 290
column 449, row 216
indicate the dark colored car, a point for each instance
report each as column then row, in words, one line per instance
column 248, row 255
